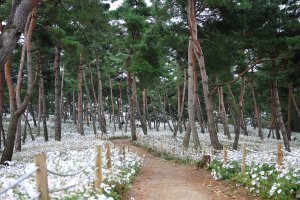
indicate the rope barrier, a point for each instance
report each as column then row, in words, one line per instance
column 72, row 174
column 260, row 152
column 19, row 180
column 70, row 186
column 290, row 154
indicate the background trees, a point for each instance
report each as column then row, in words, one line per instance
column 251, row 51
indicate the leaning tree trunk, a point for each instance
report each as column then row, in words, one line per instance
column 257, row 114
column 280, row 118
column 179, row 123
column 200, row 58
column 17, row 112
column 80, row 104
column 102, row 121
column 57, row 93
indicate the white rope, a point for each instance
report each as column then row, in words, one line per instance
column 71, row 186
column 74, row 173
column 290, row 154
column 260, row 152
column 19, row 180
column 62, row 188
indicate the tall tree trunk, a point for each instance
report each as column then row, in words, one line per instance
column 191, row 94
column 2, row 133
column 74, row 107
column 223, row 113
column 179, row 124
column 186, row 137
column 62, row 92
column 183, row 99
column 137, row 107
column 280, row 118
column 241, row 103
column 289, row 130
column 57, row 85
column 112, row 104
column 80, row 103
column 131, row 108
column 120, row 108
column 237, row 118
column 102, row 121
column 43, row 104
column 257, row 113
column 17, row 112
column 200, row 58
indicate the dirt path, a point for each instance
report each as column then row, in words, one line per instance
column 164, row 180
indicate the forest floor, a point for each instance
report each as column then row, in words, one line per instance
column 166, row 180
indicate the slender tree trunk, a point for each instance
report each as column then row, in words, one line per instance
column 43, row 105
column 17, row 112
column 191, row 94
column 289, row 130
column 200, row 58
column 257, row 114
column 112, row 104
column 74, row 108
column 237, row 128
column 183, row 100
column 62, row 92
column 120, row 108
column 131, row 109
column 57, row 85
column 186, row 138
column 142, row 117
column 100, row 102
column 223, row 113
column 280, row 118
column 2, row 133
column 179, row 124
column 80, row 102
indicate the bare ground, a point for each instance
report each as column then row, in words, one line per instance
column 164, row 180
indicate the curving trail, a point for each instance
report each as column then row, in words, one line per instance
column 164, row 180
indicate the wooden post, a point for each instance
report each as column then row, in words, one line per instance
column 123, row 152
column 41, row 176
column 279, row 154
column 98, row 170
column 212, row 153
column 225, row 154
column 108, row 156
column 244, row 154
column 153, row 143
column 161, row 145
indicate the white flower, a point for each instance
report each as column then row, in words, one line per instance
column 279, row 191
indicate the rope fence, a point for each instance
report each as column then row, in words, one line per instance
column 41, row 174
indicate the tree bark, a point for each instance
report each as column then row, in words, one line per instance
column 80, row 103
column 14, row 27
column 131, row 109
column 223, row 113
column 137, row 107
column 280, row 118
column 200, row 58
column 2, row 133
column 17, row 112
column 57, row 85
column 102, row 121
column 112, row 104
column 43, row 105
column 257, row 113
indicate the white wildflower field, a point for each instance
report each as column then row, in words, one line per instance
column 73, row 154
